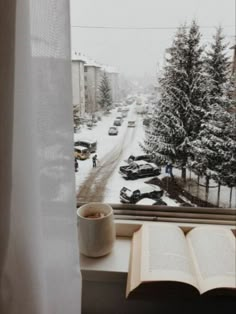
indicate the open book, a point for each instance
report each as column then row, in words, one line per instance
column 165, row 261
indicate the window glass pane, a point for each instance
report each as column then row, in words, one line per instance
column 156, row 93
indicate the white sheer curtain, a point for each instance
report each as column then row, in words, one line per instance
column 39, row 257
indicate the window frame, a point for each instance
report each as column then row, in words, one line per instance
column 132, row 216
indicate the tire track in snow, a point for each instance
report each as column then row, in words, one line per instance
column 93, row 188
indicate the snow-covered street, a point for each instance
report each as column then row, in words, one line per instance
column 104, row 182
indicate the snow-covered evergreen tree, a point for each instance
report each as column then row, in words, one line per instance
column 105, row 97
column 212, row 150
column 217, row 66
column 183, row 100
column 166, row 131
column 228, row 167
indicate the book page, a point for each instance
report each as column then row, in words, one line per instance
column 165, row 255
column 213, row 251
column 133, row 279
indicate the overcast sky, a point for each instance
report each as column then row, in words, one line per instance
column 138, row 52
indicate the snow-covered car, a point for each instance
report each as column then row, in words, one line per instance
column 117, row 122
column 90, row 124
column 125, row 109
column 150, row 201
column 81, row 152
column 91, row 144
column 146, row 157
column 113, row 130
column 144, row 191
column 139, row 169
column 131, row 124
column 119, row 117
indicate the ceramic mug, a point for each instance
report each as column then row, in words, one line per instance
column 96, row 229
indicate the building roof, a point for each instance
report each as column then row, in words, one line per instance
column 109, row 69
column 92, row 63
column 77, row 56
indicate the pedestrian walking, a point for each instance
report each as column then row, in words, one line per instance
column 169, row 169
column 94, row 161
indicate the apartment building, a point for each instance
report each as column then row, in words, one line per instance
column 78, row 89
column 113, row 77
column 92, row 77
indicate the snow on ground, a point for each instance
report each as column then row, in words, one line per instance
column 106, row 143
column 116, row 182
column 213, row 190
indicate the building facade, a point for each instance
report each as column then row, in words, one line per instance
column 78, row 84
column 92, row 78
column 113, row 77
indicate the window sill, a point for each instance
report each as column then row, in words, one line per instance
column 104, row 283
column 114, row 266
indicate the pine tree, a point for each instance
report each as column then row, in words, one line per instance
column 213, row 148
column 166, row 133
column 183, row 99
column 217, row 66
column 228, row 167
column 197, row 87
column 105, row 98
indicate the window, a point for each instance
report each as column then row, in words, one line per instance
column 162, row 128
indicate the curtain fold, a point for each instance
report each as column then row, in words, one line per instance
column 39, row 259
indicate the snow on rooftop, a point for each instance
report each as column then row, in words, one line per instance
column 92, row 63
column 109, row 69
column 77, row 56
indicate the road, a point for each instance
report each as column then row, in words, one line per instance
column 103, row 184
column 117, row 149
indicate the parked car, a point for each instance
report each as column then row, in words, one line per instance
column 144, row 191
column 139, row 169
column 90, row 124
column 125, row 109
column 146, row 157
column 113, row 130
column 131, row 124
column 160, row 202
column 88, row 143
column 117, row 122
column 81, row 152
column 120, row 117
column 150, row 201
